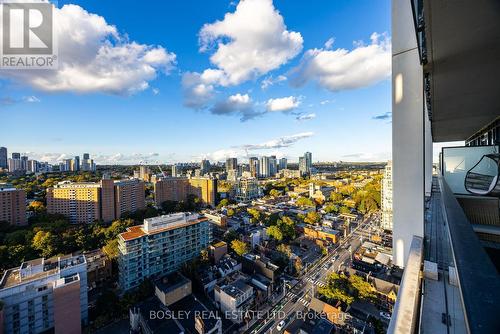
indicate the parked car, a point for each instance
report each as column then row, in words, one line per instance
column 385, row 315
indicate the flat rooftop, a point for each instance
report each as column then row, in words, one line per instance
column 236, row 288
column 138, row 231
column 41, row 268
column 171, row 282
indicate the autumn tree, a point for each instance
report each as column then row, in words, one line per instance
column 304, row 201
column 44, row 242
column 274, row 193
column 256, row 216
column 239, row 247
column 312, row 217
column 285, row 250
column 274, row 232
column 37, row 207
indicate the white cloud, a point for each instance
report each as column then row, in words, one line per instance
column 326, row 102
column 121, row 158
column 282, row 104
column 197, row 91
column 236, row 104
column 31, row 99
column 249, row 42
column 281, row 142
column 270, row 147
column 8, row 100
column 306, row 117
column 94, row 57
column 341, row 69
column 101, row 159
column 155, row 91
column 371, row 157
column 329, row 43
column 269, row 81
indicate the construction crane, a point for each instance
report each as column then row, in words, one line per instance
column 161, row 170
column 145, row 162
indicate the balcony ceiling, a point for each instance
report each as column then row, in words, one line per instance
column 463, row 45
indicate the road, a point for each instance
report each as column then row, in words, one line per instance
column 298, row 298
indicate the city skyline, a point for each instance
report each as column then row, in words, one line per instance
column 177, row 96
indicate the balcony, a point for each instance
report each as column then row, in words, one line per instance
column 460, row 287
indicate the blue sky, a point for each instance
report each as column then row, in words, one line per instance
column 184, row 81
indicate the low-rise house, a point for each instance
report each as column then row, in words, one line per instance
column 322, row 234
column 256, row 264
column 209, row 276
column 216, row 218
column 172, row 288
column 386, row 293
column 320, row 193
column 99, row 268
column 174, row 310
column 217, row 250
column 234, row 298
column 333, row 313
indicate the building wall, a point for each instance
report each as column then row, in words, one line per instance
column 246, row 189
column 175, row 295
column 67, row 315
column 129, row 196
column 79, row 202
column 407, row 133
column 3, row 158
column 13, row 206
column 205, row 188
column 160, row 252
column 217, row 251
column 170, row 189
column 35, row 304
column 87, row 202
column 386, row 222
column 178, row 188
column 107, row 204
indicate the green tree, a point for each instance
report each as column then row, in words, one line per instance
column 285, row 250
column 297, row 265
column 336, row 198
column 363, row 289
column 312, row 217
column 304, row 201
column 344, row 209
column 204, row 255
column 274, row 232
column 239, row 247
column 274, row 193
column 287, row 227
column 224, row 202
column 331, row 208
column 111, row 249
column 256, row 216
column 44, row 242
column 337, row 289
column 229, row 236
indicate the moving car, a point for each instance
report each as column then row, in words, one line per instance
column 281, row 325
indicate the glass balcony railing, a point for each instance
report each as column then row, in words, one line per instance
column 482, row 179
column 457, row 163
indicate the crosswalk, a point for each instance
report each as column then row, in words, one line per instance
column 302, row 300
column 316, row 282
